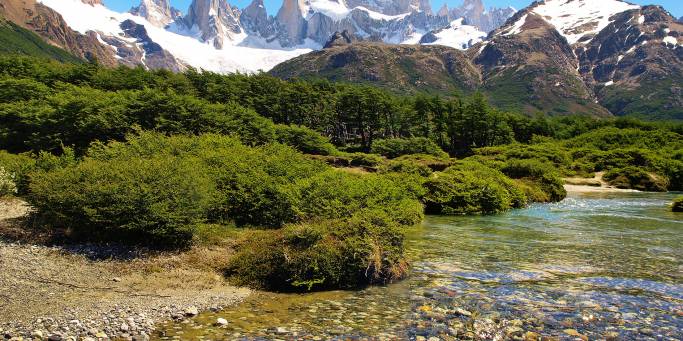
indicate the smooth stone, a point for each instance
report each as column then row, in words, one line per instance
column 192, row 311
column 221, row 321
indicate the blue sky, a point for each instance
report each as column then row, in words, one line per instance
column 673, row 6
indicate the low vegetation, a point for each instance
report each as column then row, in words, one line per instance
column 321, row 179
column 677, row 205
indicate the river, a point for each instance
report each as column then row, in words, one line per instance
column 594, row 266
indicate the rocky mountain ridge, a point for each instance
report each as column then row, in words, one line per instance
column 556, row 56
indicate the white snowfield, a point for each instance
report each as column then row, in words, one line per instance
column 83, row 18
column 459, row 36
column 338, row 11
column 575, row 19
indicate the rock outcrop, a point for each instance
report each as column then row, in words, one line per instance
column 217, row 22
column 477, row 15
column 341, row 39
column 157, row 12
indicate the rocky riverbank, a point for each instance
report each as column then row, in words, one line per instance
column 93, row 292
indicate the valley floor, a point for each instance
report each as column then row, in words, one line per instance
column 97, row 293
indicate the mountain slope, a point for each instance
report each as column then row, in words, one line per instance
column 635, row 64
column 528, row 66
column 18, row 40
column 51, row 26
column 400, row 68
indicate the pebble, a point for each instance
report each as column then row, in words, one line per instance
column 221, row 321
column 192, row 311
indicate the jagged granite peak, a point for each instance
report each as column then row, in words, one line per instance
column 475, row 14
column 291, row 18
column 444, row 11
column 157, row 12
column 255, row 16
column 216, row 20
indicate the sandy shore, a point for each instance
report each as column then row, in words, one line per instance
column 592, row 185
column 71, row 293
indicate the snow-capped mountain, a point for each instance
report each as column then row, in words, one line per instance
column 216, row 36
column 563, row 53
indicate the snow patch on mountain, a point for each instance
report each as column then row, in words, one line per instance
column 517, row 27
column 188, row 49
column 580, row 20
column 338, row 11
column 457, row 35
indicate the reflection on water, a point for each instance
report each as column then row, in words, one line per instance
column 607, row 266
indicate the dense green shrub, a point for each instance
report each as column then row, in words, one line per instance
column 434, row 163
column 15, row 169
column 252, row 183
column 635, row 178
column 8, row 184
column 367, row 248
column 677, row 205
column 364, row 160
column 13, row 90
column 393, row 148
column 613, row 138
column 335, row 194
column 470, row 187
column 537, row 173
column 406, row 167
column 305, row 140
column 158, row 200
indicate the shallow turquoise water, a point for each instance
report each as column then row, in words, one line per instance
column 607, row 266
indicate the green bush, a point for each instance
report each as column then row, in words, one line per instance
column 364, row 160
column 8, row 184
column 406, row 167
column 159, row 200
column 335, row 194
column 304, row 140
column 470, row 187
column 252, row 183
column 12, row 90
column 677, row 205
column 367, row 248
column 635, row 178
column 393, row 148
column 15, row 169
column 434, row 163
column 537, row 173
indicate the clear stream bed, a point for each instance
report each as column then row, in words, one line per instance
column 598, row 266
